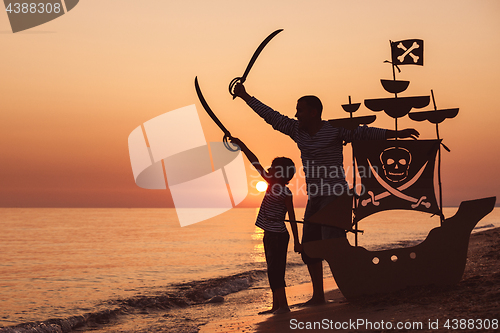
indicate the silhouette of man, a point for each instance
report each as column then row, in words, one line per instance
column 321, row 147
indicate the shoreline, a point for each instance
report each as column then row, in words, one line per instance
column 476, row 297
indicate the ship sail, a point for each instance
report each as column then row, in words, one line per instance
column 395, row 175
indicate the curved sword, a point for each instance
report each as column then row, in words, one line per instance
column 243, row 78
column 373, row 198
column 397, row 192
column 213, row 116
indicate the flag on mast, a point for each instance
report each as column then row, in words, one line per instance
column 408, row 52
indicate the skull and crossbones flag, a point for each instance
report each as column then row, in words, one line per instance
column 396, row 175
column 408, row 52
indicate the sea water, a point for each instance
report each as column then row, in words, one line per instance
column 64, row 262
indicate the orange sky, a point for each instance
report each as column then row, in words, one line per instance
column 74, row 88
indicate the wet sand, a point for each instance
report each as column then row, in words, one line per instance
column 474, row 302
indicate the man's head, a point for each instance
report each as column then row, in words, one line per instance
column 309, row 110
column 282, row 169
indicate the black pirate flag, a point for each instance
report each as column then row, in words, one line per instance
column 396, row 175
column 408, row 52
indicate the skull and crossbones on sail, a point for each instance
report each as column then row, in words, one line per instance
column 395, row 164
column 395, row 175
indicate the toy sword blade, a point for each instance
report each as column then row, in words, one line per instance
column 212, row 115
column 256, row 54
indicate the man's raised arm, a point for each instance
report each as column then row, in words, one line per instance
column 278, row 121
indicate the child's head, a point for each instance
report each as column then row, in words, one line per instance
column 282, row 169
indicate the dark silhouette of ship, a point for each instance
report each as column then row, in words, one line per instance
column 397, row 174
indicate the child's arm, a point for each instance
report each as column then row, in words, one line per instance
column 251, row 156
column 297, row 247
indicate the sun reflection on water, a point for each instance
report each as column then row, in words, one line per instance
column 258, row 248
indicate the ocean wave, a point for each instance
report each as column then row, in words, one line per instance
column 172, row 296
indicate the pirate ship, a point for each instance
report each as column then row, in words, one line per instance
column 397, row 174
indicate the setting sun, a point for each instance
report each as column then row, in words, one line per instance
column 261, row 186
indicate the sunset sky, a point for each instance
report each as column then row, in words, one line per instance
column 74, row 88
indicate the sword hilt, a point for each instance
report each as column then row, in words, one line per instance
column 228, row 144
column 233, row 83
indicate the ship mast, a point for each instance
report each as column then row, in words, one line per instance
column 440, row 186
column 351, row 108
column 395, row 93
column 436, row 117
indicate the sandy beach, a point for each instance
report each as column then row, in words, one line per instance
column 472, row 305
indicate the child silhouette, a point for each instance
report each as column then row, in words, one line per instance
column 276, row 203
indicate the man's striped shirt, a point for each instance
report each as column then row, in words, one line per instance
column 322, row 153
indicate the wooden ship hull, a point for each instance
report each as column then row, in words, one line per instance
column 440, row 259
